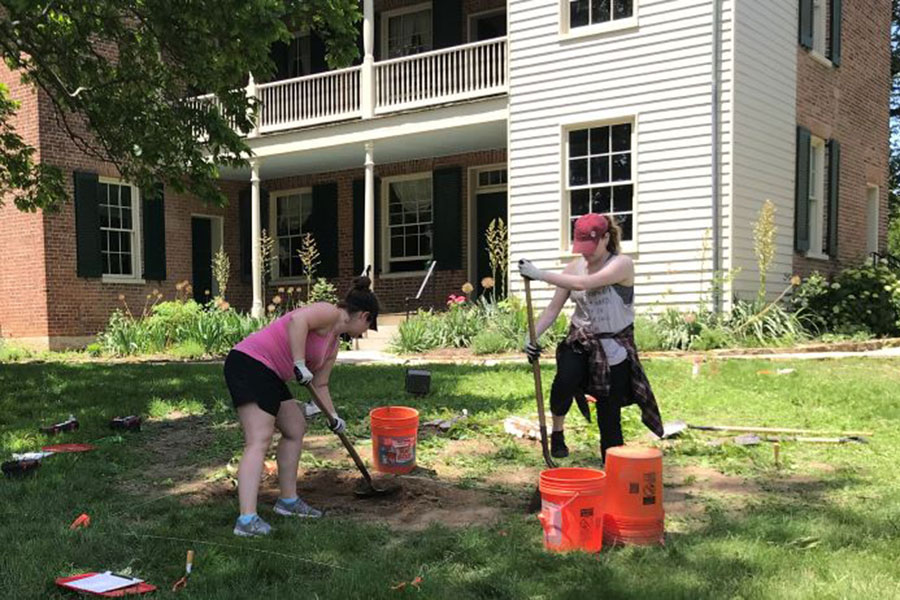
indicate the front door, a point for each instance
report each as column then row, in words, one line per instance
column 201, row 258
column 489, row 206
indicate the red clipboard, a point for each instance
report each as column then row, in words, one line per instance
column 141, row 588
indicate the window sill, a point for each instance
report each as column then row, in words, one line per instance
column 817, row 256
column 289, row 281
column 821, row 59
column 402, row 275
column 584, row 31
column 122, row 280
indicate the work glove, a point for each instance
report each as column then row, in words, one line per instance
column 529, row 271
column 302, row 373
column 338, row 426
column 532, row 350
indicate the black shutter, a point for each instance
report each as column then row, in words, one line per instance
column 154, row 220
column 87, row 225
column 835, row 52
column 806, row 23
column 279, row 55
column 359, row 225
column 446, row 23
column 325, row 227
column 834, row 184
column 447, row 195
column 317, row 62
column 801, row 200
column 376, row 268
column 246, row 241
column 377, row 50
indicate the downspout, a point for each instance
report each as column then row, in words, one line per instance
column 716, row 158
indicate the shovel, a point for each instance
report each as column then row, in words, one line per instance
column 365, row 489
column 534, row 504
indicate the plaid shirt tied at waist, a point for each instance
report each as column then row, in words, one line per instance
column 589, row 343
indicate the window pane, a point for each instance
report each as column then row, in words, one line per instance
column 580, row 202
column 626, row 223
column 621, row 137
column 600, row 140
column 103, row 193
column 578, row 171
column 425, row 243
column 412, row 244
column 600, row 11
column 115, row 265
column 115, row 218
column 126, row 218
column 600, row 169
column 578, row 143
column 621, row 167
column 622, row 198
column 483, row 178
column 125, row 195
column 600, row 200
column 396, row 246
column 622, row 9
column 112, row 241
column 125, row 243
column 578, row 13
column 296, row 266
column 125, row 264
column 104, row 215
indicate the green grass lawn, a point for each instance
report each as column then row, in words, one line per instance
column 826, row 524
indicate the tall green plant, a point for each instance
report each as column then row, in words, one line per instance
column 310, row 260
column 498, row 251
column 764, row 244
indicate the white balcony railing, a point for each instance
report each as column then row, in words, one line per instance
column 440, row 76
column 432, row 78
column 322, row 98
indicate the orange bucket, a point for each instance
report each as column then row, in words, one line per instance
column 634, row 496
column 394, row 431
column 571, row 509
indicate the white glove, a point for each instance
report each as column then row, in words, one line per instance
column 529, row 271
column 303, row 374
column 338, row 426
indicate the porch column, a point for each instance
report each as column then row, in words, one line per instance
column 369, row 234
column 251, row 95
column 256, row 308
column 367, row 77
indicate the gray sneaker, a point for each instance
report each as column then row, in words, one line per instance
column 298, row 508
column 254, row 528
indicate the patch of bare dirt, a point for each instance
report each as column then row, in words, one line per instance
column 418, row 503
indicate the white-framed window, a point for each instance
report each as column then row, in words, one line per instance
column 409, row 226
column 817, row 171
column 491, row 178
column 596, row 13
column 872, row 218
column 406, row 31
column 120, row 232
column 599, row 173
column 820, row 20
column 289, row 214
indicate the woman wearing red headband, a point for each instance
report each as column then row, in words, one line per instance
column 599, row 355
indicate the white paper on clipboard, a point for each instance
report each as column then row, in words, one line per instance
column 103, row 582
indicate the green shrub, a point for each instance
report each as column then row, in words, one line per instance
column 860, row 299
column 417, row 334
column 647, row 335
column 126, row 336
column 678, row 331
column 10, row 353
column 169, row 318
column 94, row 349
column 323, row 291
column 491, row 341
column 711, row 338
column 458, row 327
column 752, row 323
column 188, row 349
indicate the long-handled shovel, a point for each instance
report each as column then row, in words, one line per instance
column 535, row 504
column 366, row 489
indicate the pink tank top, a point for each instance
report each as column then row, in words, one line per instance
column 271, row 346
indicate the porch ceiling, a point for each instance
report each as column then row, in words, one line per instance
column 396, row 139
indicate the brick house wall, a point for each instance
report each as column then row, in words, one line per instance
column 850, row 103
column 23, row 280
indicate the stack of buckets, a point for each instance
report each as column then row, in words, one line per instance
column 581, row 509
column 394, row 432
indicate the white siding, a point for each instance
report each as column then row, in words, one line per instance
column 659, row 75
column 765, row 130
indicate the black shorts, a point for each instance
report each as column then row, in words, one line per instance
column 249, row 381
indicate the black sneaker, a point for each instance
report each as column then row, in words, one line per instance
column 558, row 448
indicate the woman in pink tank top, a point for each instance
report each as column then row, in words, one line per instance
column 302, row 345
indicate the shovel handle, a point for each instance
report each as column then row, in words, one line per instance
column 343, row 436
column 536, row 370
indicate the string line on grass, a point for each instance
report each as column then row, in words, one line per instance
column 221, row 545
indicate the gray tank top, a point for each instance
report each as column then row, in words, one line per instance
column 609, row 309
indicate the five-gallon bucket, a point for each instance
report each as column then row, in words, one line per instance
column 571, row 509
column 634, row 496
column 394, row 430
